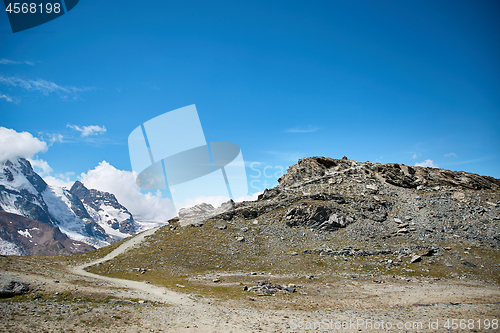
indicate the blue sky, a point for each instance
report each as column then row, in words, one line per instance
column 385, row 81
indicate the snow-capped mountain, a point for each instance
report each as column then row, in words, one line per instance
column 90, row 216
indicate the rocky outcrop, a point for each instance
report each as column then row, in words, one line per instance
column 195, row 211
column 380, row 201
column 10, row 287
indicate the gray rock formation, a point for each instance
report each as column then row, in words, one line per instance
column 10, row 287
column 381, row 201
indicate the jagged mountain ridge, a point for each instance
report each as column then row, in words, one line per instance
column 89, row 216
column 380, row 201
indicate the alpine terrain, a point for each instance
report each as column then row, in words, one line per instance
column 338, row 245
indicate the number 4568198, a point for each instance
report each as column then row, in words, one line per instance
column 33, row 8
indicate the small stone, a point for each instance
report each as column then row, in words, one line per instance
column 197, row 224
column 372, row 187
column 415, row 258
column 408, row 218
column 221, row 227
column 403, row 225
column 240, row 239
column 255, row 222
column 398, row 220
column 403, row 231
column 216, row 280
column 466, row 263
column 448, row 265
column 294, row 253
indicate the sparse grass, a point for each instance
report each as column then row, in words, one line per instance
column 177, row 257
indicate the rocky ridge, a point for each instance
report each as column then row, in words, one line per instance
column 375, row 201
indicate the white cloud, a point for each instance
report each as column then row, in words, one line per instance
column 251, row 197
column 414, row 156
column 56, row 138
column 41, row 167
column 12, row 62
column 144, row 207
column 427, row 163
column 7, row 97
column 19, row 144
column 308, row 129
column 43, row 86
column 450, row 155
column 88, row 130
column 215, row 201
column 60, row 180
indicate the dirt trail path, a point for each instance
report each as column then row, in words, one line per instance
column 152, row 292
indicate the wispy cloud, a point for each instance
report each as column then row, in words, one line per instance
column 6, row 97
column 476, row 160
column 4, row 61
column 44, row 86
column 56, row 138
column 88, row 130
column 414, row 156
column 308, row 129
column 427, row 163
column 450, row 155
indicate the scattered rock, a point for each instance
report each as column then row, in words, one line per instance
column 267, row 288
column 466, row 263
column 426, row 252
column 121, row 301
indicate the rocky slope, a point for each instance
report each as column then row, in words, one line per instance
column 23, row 236
column 382, row 201
column 90, row 216
column 327, row 218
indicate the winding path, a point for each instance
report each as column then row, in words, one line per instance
column 152, row 292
